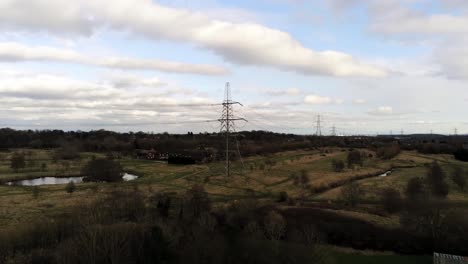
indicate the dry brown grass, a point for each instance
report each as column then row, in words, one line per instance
column 18, row 205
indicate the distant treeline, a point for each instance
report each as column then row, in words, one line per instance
column 250, row 142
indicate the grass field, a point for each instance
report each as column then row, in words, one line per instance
column 264, row 177
column 261, row 176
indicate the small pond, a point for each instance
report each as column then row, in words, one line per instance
column 59, row 180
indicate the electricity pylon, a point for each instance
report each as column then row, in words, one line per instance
column 228, row 123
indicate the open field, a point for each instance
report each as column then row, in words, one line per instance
column 259, row 177
column 262, row 177
column 372, row 187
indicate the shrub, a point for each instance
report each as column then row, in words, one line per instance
column 67, row 152
column 351, row 193
column 355, row 158
column 436, row 180
column 388, row 152
column 17, row 161
column 275, row 226
column 461, row 154
column 338, row 165
column 181, row 160
column 391, row 200
column 415, row 189
column 302, row 180
column 198, row 201
column 102, row 170
column 459, row 177
column 70, row 187
column 283, row 197
column 160, row 204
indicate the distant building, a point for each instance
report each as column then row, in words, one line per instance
column 187, row 156
column 465, row 146
column 449, row 259
column 151, row 155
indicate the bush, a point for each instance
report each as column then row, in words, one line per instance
column 275, row 226
column 415, row 189
column 160, row 204
column 67, row 152
column 461, row 154
column 391, row 200
column 351, row 193
column 70, row 187
column 355, row 158
column 302, row 180
column 338, row 165
column 283, row 197
column 459, row 177
column 436, row 180
column 388, row 152
column 198, row 201
column 102, row 170
column 17, row 161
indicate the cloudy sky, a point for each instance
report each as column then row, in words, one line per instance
column 367, row 66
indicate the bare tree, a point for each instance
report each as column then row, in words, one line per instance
column 351, row 193
column 275, row 225
column 391, row 200
column 415, row 189
column 436, row 180
column 17, row 161
column 459, row 177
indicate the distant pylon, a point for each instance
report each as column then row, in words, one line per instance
column 318, row 131
column 455, row 132
column 333, row 130
column 227, row 123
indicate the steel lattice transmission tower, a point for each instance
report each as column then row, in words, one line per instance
column 333, row 131
column 318, row 131
column 228, row 123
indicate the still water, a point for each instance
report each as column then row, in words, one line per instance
column 59, row 180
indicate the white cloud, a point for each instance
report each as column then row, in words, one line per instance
column 125, row 80
column 431, row 24
column 382, row 110
column 284, row 92
column 401, row 17
column 241, row 43
column 422, row 122
column 452, row 57
column 441, row 30
column 53, row 16
column 13, row 52
column 53, row 87
column 317, row 99
column 359, row 101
